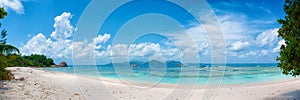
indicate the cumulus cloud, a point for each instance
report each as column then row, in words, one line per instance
column 63, row 28
column 38, row 45
column 238, row 33
column 14, row 5
column 57, row 46
column 267, row 38
column 84, row 48
column 119, row 50
column 141, row 51
column 188, row 43
column 266, row 43
column 144, row 49
column 239, row 45
column 99, row 40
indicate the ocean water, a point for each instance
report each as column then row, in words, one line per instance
column 233, row 73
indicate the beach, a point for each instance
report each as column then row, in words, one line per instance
column 41, row 84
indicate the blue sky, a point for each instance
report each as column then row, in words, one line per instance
column 48, row 27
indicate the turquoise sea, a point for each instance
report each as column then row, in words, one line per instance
column 187, row 74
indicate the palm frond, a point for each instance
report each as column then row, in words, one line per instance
column 8, row 49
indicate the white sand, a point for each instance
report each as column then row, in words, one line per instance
column 41, row 85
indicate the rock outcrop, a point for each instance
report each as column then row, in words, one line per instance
column 63, row 64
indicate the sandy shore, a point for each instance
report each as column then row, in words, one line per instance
column 45, row 85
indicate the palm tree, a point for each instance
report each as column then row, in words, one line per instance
column 6, row 49
column 3, row 13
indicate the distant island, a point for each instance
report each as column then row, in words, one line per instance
column 149, row 63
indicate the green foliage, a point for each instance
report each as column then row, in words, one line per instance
column 34, row 60
column 3, row 37
column 7, row 49
column 3, row 63
column 290, row 31
column 4, row 74
column 3, row 13
column 9, row 58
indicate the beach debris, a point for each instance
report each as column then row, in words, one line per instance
column 20, row 79
column 26, row 93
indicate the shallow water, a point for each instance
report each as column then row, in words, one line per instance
column 233, row 73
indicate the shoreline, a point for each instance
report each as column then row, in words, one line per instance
column 45, row 84
column 170, row 85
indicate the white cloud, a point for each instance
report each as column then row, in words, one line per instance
column 251, row 53
column 119, row 50
column 267, row 38
column 171, row 53
column 264, row 52
column 60, row 49
column 277, row 48
column 141, row 51
column 193, row 38
column 239, row 45
column 63, row 28
column 83, row 49
column 264, row 44
column 37, row 45
column 14, row 5
column 234, row 26
column 57, row 46
column 144, row 49
column 99, row 40
column 194, row 42
column 118, row 53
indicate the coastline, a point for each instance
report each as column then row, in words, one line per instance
column 171, row 85
column 42, row 84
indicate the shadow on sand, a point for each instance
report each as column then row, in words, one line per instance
column 293, row 95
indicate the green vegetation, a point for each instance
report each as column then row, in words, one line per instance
column 3, row 13
column 10, row 56
column 290, row 31
column 5, row 49
column 34, row 60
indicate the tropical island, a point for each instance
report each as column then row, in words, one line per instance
column 35, row 75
